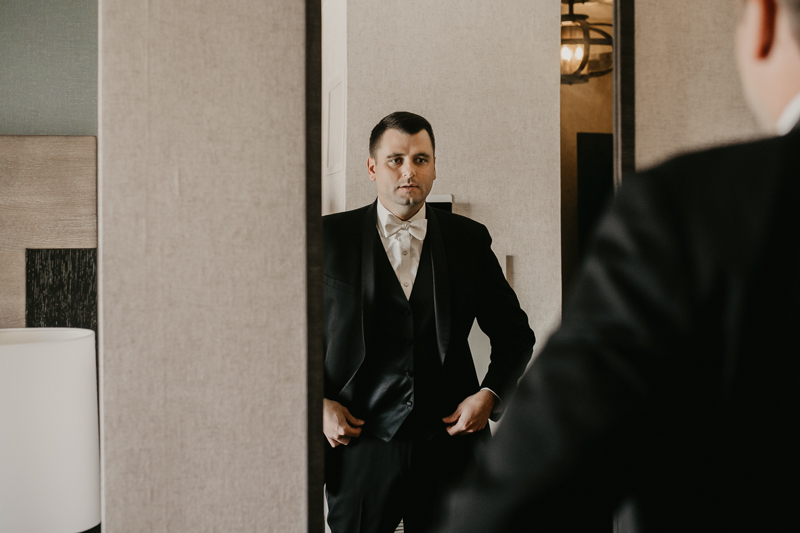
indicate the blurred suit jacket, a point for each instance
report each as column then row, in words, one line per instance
column 672, row 390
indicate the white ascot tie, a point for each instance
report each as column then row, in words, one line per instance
column 402, row 240
column 417, row 229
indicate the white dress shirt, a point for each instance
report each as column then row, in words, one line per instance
column 402, row 248
column 790, row 116
column 404, row 251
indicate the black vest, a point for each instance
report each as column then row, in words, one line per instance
column 399, row 382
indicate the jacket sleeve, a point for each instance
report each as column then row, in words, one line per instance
column 500, row 316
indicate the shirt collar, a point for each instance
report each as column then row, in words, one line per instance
column 384, row 216
column 790, row 116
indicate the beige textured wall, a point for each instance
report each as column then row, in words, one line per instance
column 687, row 87
column 334, row 104
column 487, row 77
column 202, row 239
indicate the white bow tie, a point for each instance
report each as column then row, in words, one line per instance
column 417, row 229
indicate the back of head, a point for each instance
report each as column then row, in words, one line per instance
column 408, row 123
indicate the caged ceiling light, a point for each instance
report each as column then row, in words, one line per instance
column 586, row 50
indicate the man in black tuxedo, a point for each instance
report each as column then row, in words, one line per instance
column 403, row 409
column 672, row 389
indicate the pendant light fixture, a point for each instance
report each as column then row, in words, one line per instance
column 585, row 48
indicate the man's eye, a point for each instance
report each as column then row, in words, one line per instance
column 421, row 160
column 396, row 161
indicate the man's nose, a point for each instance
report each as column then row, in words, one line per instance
column 409, row 170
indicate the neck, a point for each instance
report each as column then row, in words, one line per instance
column 405, row 214
column 783, row 97
column 790, row 116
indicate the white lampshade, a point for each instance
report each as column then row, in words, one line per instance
column 49, row 434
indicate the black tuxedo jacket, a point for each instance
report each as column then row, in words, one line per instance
column 672, row 389
column 468, row 283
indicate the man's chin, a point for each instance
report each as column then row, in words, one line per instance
column 408, row 202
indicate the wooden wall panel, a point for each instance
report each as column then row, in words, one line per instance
column 61, row 288
column 48, row 199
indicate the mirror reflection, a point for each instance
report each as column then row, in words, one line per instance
column 443, row 251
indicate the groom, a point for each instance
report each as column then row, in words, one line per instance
column 403, row 409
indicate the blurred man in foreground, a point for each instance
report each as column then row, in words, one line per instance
column 672, row 388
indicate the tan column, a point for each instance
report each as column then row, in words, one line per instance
column 202, row 175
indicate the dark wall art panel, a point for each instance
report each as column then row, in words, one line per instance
column 61, row 288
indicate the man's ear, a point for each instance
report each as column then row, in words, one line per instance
column 768, row 10
column 371, row 168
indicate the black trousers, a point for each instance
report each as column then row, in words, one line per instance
column 372, row 484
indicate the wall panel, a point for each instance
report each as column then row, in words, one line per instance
column 48, row 67
column 48, row 199
column 334, row 104
column 687, row 88
column 487, row 77
column 203, row 265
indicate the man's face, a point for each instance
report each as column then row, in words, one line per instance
column 403, row 168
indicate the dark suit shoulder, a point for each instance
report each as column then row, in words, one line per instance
column 452, row 222
column 342, row 235
column 344, row 218
column 717, row 206
column 343, row 229
column 735, row 182
column 730, row 165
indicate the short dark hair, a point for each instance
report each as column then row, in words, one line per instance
column 408, row 123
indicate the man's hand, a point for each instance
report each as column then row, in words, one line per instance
column 472, row 414
column 338, row 425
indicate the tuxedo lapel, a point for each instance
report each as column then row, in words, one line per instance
column 368, row 273
column 441, row 282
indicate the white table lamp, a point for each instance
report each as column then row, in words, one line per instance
column 49, row 434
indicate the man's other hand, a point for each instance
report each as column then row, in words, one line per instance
column 338, row 425
column 472, row 414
